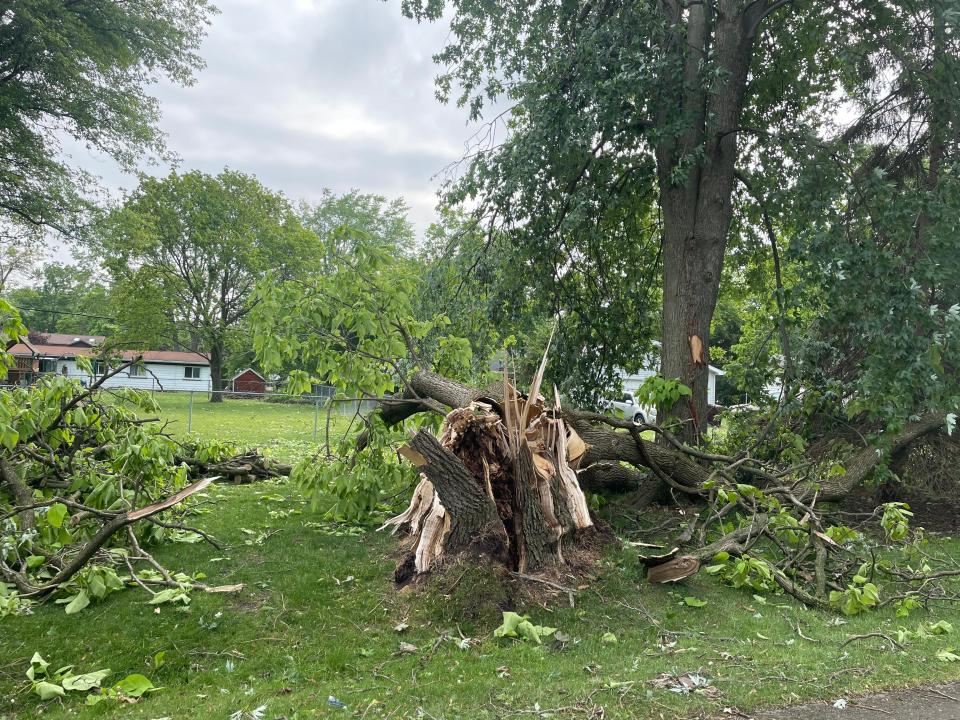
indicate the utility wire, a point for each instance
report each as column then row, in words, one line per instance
column 34, row 308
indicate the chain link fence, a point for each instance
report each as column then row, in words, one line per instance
column 321, row 401
column 318, row 403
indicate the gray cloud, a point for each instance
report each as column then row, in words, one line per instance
column 308, row 94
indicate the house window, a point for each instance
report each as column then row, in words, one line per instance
column 47, row 365
column 99, row 368
column 191, row 372
column 138, row 370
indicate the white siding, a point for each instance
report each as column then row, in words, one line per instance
column 632, row 382
column 159, row 376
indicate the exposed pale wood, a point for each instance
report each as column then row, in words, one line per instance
column 673, row 570
column 169, row 502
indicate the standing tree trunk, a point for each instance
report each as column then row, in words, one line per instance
column 696, row 173
column 216, row 372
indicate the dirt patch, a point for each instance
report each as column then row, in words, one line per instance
column 251, row 602
column 478, row 589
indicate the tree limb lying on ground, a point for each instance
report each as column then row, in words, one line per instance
column 83, row 480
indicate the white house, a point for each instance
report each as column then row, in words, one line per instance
column 58, row 352
column 651, row 366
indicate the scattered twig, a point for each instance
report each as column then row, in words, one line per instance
column 562, row 588
column 866, row 636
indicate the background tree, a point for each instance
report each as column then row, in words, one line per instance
column 20, row 251
column 80, row 69
column 372, row 216
column 66, row 299
column 199, row 243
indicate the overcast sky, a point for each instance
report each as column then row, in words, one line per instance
column 308, row 94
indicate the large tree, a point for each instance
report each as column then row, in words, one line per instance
column 80, row 69
column 374, row 216
column 658, row 109
column 64, row 298
column 194, row 245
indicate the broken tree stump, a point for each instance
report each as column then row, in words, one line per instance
column 513, row 500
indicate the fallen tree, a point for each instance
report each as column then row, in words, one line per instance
column 511, row 492
column 244, row 467
column 611, row 443
column 500, row 474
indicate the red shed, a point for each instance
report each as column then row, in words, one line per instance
column 248, row 381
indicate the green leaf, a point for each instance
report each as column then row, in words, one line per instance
column 84, row 682
column 38, row 666
column 692, row 601
column 169, row 595
column 134, row 686
column 9, row 438
column 48, row 690
column 57, row 514
column 941, row 628
column 608, row 638
column 519, row 626
column 509, row 626
column 79, row 602
column 947, row 655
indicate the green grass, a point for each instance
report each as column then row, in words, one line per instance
column 284, row 430
column 318, row 612
column 301, row 630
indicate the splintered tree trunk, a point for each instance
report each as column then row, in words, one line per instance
column 472, row 513
column 516, row 502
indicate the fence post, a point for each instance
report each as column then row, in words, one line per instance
column 316, row 415
column 190, row 414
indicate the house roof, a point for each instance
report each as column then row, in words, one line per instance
column 250, row 370
column 63, row 352
column 68, row 338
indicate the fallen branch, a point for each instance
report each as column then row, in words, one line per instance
column 117, row 522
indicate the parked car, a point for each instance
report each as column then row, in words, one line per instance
column 629, row 408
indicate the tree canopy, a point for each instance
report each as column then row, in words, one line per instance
column 65, row 299
column 652, row 135
column 81, row 69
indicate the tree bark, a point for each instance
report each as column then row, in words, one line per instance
column 696, row 177
column 21, row 494
column 216, row 372
column 474, row 522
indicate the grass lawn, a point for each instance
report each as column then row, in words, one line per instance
column 284, row 430
column 317, row 617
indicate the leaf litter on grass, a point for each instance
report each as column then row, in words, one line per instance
column 687, row 683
